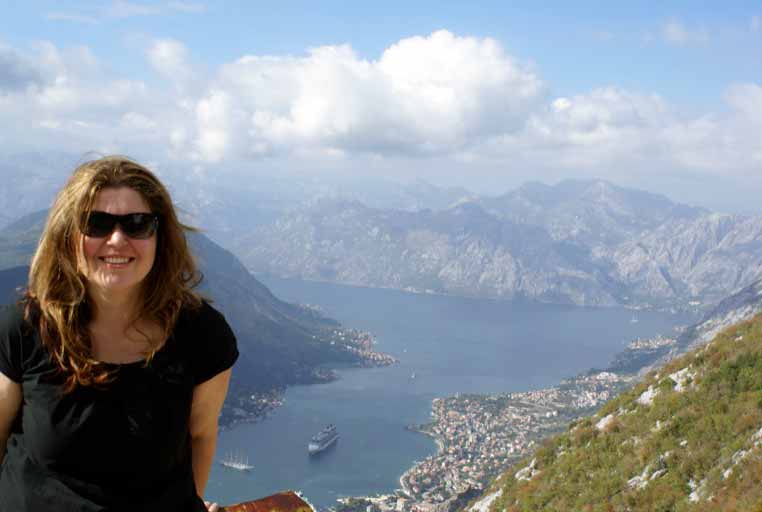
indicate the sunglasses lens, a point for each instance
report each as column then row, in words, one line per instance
column 99, row 224
column 134, row 225
column 139, row 225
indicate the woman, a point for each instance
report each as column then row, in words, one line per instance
column 113, row 371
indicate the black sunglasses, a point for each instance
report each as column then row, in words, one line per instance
column 134, row 225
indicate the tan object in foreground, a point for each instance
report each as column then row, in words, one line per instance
column 287, row 501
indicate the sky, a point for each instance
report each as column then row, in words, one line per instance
column 486, row 95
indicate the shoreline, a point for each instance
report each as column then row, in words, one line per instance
column 661, row 308
column 440, row 450
column 479, row 437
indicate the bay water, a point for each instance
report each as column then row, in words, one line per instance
column 445, row 345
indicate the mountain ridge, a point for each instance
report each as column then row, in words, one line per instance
column 622, row 247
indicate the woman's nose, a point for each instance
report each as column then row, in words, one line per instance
column 116, row 236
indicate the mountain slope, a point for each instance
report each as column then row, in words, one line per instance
column 592, row 212
column 581, row 242
column 462, row 250
column 688, row 437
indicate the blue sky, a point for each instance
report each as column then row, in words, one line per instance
column 475, row 93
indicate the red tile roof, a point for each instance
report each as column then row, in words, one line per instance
column 287, row 501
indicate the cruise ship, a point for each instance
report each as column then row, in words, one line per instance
column 323, row 439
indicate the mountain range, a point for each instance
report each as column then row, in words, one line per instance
column 578, row 242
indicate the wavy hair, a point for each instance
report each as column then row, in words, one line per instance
column 56, row 300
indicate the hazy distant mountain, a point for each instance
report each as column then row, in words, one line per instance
column 225, row 202
column 280, row 343
column 591, row 212
column 582, row 242
column 30, row 181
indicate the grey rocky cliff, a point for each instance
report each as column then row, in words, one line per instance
column 580, row 242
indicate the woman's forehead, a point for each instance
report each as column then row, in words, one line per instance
column 120, row 200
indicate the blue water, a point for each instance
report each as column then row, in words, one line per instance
column 451, row 344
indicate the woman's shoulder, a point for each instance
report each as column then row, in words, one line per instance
column 209, row 341
column 203, row 319
column 201, row 313
column 12, row 321
column 18, row 345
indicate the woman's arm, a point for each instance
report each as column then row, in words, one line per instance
column 10, row 402
column 208, row 398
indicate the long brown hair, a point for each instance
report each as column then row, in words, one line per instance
column 56, row 299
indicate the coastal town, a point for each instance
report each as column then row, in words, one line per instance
column 479, row 436
column 253, row 406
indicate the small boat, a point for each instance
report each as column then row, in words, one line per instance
column 237, row 461
column 634, row 319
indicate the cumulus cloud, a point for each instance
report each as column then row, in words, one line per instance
column 171, row 59
column 425, row 95
column 16, row 72
column 675, row 32
column 611, row 131
column 429, row 98
column 72, row 103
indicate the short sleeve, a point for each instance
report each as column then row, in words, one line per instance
column 216, row 349
column 11, row 343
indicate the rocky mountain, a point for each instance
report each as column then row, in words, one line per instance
column 461, row 250
column 580, row 242
column 280, row 343
column 591, row 213
column 687, row 437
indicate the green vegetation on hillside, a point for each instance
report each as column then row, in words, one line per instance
column 697, row 445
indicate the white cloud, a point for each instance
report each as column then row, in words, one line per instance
column 171, row 59
column 425, row 95
column 427, row 99
column 16, row 71
column 674, row 32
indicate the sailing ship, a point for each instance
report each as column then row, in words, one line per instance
column 237, row 461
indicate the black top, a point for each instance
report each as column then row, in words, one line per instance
column 122, row 448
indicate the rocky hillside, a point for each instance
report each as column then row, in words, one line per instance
column 688, row 437
column 588, row 243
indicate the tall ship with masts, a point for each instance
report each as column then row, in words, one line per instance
column 323, row 439
column 237, row 461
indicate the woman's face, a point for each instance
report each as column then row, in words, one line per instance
column 116, row 264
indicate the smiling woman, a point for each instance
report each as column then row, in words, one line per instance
column 113, row 370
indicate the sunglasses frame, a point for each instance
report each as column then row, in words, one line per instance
column 121, row 221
